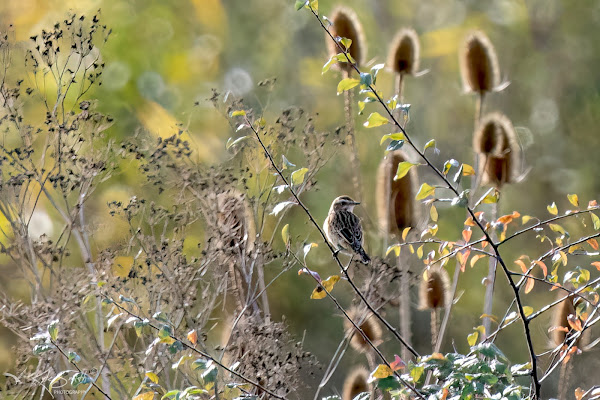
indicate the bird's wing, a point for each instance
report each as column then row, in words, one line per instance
column 350, row 229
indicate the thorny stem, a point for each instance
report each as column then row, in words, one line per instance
column 199, row 352
column 534, row 374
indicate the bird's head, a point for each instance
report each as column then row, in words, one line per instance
column 344, row 203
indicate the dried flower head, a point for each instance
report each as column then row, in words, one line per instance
column 234, row 220
column 403, row 56
column 368, row 324
column 345, row 24
column 498, row 149
column 560, row 321
column 479, row 64
column 396, row 208
column 356, row 383
column 434, row 291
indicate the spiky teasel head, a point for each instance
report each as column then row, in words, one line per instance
column 403, row 56
column 498, row 149
column 345, row 24
column 355, row 383
column 479, row 64
column 560, row 321
column 434, row 290
column 396, row 208
column 368, row 324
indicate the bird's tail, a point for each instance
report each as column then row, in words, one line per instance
column 363, row 254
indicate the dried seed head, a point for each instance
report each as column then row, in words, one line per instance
column 234, row 221
column 403, row 56
column 345, row 24
column 434, row 291
column 355, row 383
column 479, row 64
column 396, row 208
column 368, row 324
column 498, row 149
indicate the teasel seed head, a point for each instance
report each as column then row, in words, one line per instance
column 479, row 64
column 368, row 324
column 434, row 290
column 235, row 221
column 355, row 383
column 403, row 56
column 345, row 24
column 396, row 208
column 498, row 149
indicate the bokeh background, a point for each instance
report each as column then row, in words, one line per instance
column 163, row 58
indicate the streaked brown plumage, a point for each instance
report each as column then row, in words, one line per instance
column 343, row 228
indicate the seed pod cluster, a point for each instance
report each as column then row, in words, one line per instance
column 479, row 64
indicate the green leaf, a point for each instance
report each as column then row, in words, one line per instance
column 393, row 136
column 403, row 169
column 238, row 113
column 165, row 332
column 281, row 206
column 347, row 84
column 375, row 119
column 596, row 221
column 285, row 233
column 425, row 191
column 73, row 357
column 298, row 176
column 394, row 145
column 169, row 394
column 552, row 209
column 361, row 107
column 416, row 372
column 53, row 329
column 366, row 79
column 299, row 4
column 490, row 350
column 80, row 379
column 42, row 348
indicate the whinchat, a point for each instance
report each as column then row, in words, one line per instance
column 343, row 229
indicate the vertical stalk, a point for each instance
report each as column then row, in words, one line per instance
column 491, row 278
column 404, row 306
column 354, row 161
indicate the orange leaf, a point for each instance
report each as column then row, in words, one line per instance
column 555, row 286
column 521, row 264
column 484, row 244
column 594, row 243
column 445, row 393
column 507, row 219
column 469, row 222
column 192, row 336
column 529, row 285
column 596, row 264
column 466, row 234
column 397, row 363
column 476, row 258
column 574, row 323
column 592, row 204
column 579, row 393
column 542, row 266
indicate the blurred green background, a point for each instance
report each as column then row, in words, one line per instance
column 163, row 58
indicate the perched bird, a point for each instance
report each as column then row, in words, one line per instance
column 343, row 230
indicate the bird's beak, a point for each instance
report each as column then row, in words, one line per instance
column 356, row 203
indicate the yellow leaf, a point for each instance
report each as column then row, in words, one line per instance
column 405, row 232
column 328, row 284
column 298, row 176
column 433, row 213
column 425, row 191
column 525, row 219
column 144, row 396
column 403, row 169
column 527, row 311
column 552, row 209
column 238, row 113
column 347, row 84
column 468, row 170
column 472, row 338
column 374, row 120
column 382, row 371
column 393, row 136
column 152, row 376
column 476, row 258
column 573, row 199
column 285, row 233
column 395, row 248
